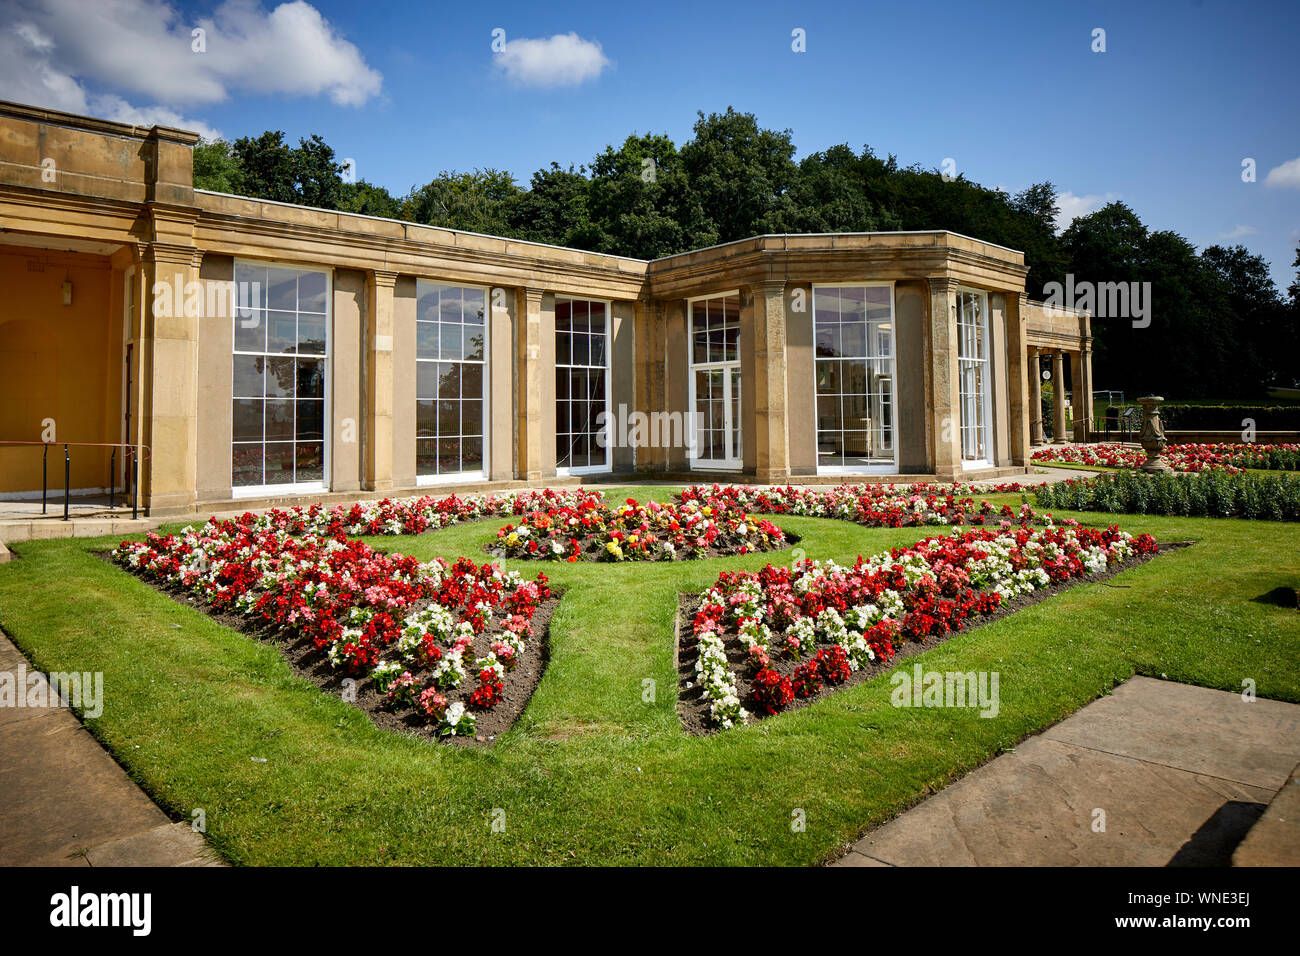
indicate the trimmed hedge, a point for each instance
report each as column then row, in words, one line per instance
column 1230, row 417
column 1211, row 494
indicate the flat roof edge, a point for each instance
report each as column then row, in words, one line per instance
column 424, row 225
column 805, row 235
column 93, row 124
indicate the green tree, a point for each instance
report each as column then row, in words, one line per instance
column 216, row 168
column 554, row 208
column 740, row 175
column 479, row 201
column 267, row 165
column 367, row 199
column 831, row 194
column 318, row 179
column 636, row 201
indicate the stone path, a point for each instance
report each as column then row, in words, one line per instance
column 65, row 802
column 1182, row 773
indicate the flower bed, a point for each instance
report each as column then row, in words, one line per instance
column 1212, row 494
column 876, row 506
column 635, row 532
column 1181, row 457
column 398, row 516
column 446, row 650
column 758, row 643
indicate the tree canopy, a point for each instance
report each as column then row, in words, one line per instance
column 1219, row 324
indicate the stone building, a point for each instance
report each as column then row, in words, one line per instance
column 260, row 352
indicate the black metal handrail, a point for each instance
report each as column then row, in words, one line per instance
column 131, row 455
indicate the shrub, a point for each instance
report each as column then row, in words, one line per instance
column 1213, row 494
column 1230, row 417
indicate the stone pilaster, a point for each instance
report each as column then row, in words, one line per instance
column 168, row 351
column 649, row 371
column 773, row 439
column 1019, row 388
column 528, row 400
column 377, row 378
column 945, row 424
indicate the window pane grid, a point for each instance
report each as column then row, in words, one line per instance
column 853, row 336
column 450, row 379
column 715, row 357
column 279, row 348
column 581, row 366
column 972, row 375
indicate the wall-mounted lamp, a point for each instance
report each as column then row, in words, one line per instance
column 67, row 292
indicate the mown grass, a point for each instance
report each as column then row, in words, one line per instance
column 595, row 772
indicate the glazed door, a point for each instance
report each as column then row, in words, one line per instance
column 715, row 398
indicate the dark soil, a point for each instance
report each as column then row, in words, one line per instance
column 694, row 709
column 312, row 664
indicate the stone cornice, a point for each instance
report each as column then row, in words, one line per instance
column 412, row 257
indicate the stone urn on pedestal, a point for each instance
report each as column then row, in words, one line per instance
column 1152, row 438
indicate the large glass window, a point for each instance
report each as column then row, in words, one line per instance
column 581, row 383
column 450, row 380
column 715, row 381
column 973, row 375
column 281, row 344
column 853, row 326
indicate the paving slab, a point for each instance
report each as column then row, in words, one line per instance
column 1275, row 839
column 1181, row 773
column 170, row 844
column 1037, row 807
column 63, row 793
column 1205, row 731
column 66, row 802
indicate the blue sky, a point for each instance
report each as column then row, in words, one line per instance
column 1011, row 91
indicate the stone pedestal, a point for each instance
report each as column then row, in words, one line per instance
column 1153, row 435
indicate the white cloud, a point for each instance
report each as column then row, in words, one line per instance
column 80, row 57
column 1286, row 175
column 1072, row 207
column 119, row 110
column 1239, row 232
column 565, row 59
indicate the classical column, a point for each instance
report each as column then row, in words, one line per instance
column 1077, row 401
column 1019, row 372
column 1084, row 402
column 1058, row 396
column 377, row 470
column 1087, row 382
column 1035, row 371
column 168, row 349
column 946, row 408
column 773, row 440
column 528, row 402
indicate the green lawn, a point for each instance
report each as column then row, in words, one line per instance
column 593, row 773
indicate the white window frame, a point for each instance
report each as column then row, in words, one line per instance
column 608, row 466
column 693, row 461
column 881, row 469
column 471, row 477
column 985, row 397
column 327, row 431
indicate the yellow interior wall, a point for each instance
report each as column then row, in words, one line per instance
column 60, row 362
